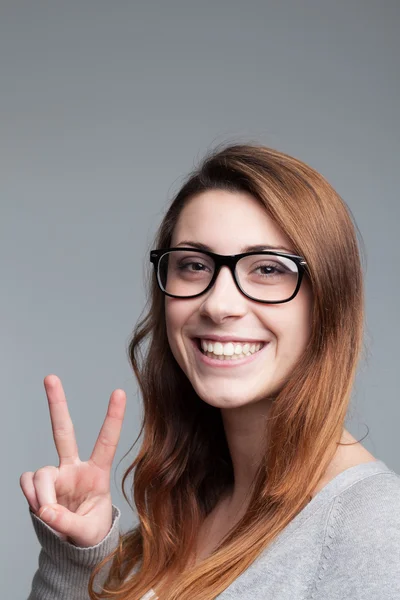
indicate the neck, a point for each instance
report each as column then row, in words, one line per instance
column 245, row 433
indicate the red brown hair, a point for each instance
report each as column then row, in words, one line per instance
column 183, row 466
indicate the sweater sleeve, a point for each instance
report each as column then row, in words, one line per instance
column 360, row 558
column 64, row 569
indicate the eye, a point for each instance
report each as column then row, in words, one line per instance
column 269, row 269
column 196, row 266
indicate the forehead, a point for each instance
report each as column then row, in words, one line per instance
column 227, row 222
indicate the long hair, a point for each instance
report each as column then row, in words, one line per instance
column 184, row 466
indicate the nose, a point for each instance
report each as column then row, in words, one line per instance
column 223, row 300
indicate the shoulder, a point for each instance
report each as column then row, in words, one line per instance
column 372, row 500
column 361, row 548
column 375, row 496
column 365, row 516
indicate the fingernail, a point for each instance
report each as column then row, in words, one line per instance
column 50, row 514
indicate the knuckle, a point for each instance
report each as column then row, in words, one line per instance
column 43, row 473
column 107, row 442
column 25, row 479
column 63, row 432
column 25, row 476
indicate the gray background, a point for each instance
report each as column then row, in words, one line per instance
column 104, row 107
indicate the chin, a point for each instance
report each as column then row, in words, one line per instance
column 224, row 399
column 225, row 403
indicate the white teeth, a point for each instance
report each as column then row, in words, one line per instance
column 218, row 349
column 230, row 350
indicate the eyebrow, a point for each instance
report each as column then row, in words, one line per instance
column 256, row 248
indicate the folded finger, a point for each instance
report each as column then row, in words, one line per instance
column 26, row 483
column 44, row 482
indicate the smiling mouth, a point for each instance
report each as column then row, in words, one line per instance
column 228, row 351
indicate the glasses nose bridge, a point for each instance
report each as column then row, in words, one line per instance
column 225, row 261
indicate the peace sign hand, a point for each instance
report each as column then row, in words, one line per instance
column 74, row 498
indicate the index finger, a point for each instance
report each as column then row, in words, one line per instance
column 107, row 441
column 61, row 423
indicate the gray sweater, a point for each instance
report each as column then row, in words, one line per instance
column 344, row 545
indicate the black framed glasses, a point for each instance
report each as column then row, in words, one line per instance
column 268, row 277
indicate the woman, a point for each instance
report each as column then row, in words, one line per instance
column 246, row 485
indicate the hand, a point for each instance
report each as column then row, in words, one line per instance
column 74, row 498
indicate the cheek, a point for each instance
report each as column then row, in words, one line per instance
column 298, row 327
column 291, row 327
column 176, row 315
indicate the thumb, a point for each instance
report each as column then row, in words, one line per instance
column 48, row 514
column 61, row 520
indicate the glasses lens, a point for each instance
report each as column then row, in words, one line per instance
column 267, row 277
column 185, row 272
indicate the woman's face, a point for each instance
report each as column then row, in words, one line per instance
column 228, row 222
